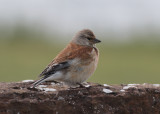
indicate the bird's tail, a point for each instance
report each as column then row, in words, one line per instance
column 38, row 82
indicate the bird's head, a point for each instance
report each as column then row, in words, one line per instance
column 85, row 37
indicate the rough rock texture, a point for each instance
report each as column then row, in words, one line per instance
column 19, row 98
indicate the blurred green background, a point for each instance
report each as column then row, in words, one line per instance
column 26, row 49
column 25, row 53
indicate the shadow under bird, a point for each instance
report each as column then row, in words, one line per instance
column 74, row 64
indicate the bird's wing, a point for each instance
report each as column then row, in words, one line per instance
column 62, row 61
column 51, row 70
column 55, row 67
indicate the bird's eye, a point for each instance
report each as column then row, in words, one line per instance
column 89, row 38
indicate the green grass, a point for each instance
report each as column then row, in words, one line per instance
column 127, row 63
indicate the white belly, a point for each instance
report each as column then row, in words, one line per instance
column 87, row 72
column 80, row 73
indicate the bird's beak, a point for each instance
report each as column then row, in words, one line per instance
column 96, row 40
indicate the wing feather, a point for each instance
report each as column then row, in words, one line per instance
column 52, row 69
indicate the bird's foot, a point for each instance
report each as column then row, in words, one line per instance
column 51, row 82
column 80, row 85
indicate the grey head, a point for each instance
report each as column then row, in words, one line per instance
column 85, row 37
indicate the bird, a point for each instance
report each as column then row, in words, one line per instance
column 75, row 63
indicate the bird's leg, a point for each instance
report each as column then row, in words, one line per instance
column 55, row 82
column 52, row 81
column 80, row 85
